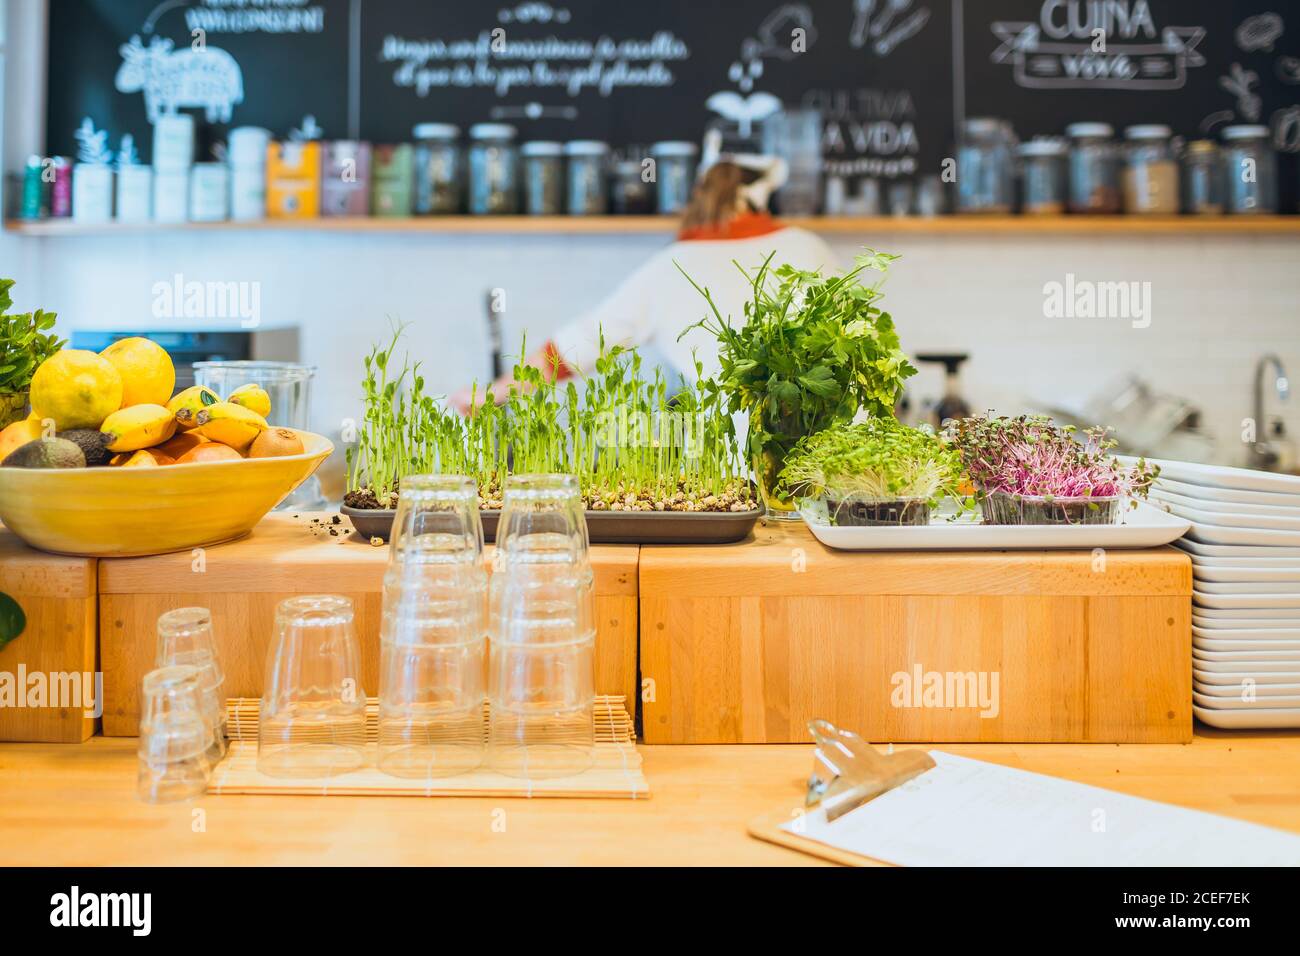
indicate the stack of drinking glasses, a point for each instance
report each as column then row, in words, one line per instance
column 313, row 714
column 174, row 735
column 541, row 621
column 185, row 639
column 433, row 639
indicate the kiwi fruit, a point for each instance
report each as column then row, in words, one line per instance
column 46, row 453
column 275, row 443
column 92, row 443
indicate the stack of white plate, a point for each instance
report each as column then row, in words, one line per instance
column 1245, row 548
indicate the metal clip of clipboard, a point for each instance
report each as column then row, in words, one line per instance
column 847, row 771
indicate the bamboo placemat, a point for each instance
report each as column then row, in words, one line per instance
column 615, row 773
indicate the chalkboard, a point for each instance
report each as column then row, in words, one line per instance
column 626, row 73
column 892, row 78
column 1194, row 65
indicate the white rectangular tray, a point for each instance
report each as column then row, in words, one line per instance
column 1221, row 476
column 1143, row 527
column 1237, row 703
column 1236, row 678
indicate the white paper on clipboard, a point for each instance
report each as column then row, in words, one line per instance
column 971, row 813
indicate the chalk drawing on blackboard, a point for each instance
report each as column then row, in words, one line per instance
column 1055, row 55
column 306, row 131
column 885, row 32
column 533, row 111
column 1241, row 84
column 744, row 111
column 207, row 78
column 1259, row 32
column 1286, row 130
column 533, row 13
column 774, row 38
column 1288, row 70
column 92, row 144
column 159, row 10
column 1215, row 120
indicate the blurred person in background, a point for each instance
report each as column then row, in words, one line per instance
column 726, row 222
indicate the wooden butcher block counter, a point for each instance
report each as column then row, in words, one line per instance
column 242, row 582
column 746, row 643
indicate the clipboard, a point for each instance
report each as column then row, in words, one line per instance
column 768, row 829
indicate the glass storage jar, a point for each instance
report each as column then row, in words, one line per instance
column 1150, row 171
column 438, row 174
column 630, row 193
column 493, row 173
column 1042, row 171
column 1202, row 179
column 1094, row 168
column 675, row 163
column 1249, row 170
column 543, row 178
column 984, row 166
column 587, row 160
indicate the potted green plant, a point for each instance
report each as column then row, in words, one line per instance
column 1029, row 470
column 25, row 342
column 877, row 472
column 812, row 351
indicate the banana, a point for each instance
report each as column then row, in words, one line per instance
column 253, row 397
column 136, row 427
column 185, row 405
column 230, row 424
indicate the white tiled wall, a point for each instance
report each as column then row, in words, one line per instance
column 1217, row 302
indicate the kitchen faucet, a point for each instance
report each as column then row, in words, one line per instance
column 1262, row 453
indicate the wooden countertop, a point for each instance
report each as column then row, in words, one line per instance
column 67, row 805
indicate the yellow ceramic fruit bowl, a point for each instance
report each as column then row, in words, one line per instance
column 127, row 512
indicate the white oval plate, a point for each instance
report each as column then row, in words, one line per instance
column 1247, row 617
column 1247, row 634
column 1228, row 657
column 1205, row 533
column 1219, row 677
column 1235, row 551
column 1230, row 520
column 1246, row 587
column 1247, row 719
column 1270, row 602
column 1218, row 574
column 1267, row 624
column 1232, row 646
column 1221, row 476
column 1240, row 688
column 1227, row 508
column 1227, row 495
column 1236, row 703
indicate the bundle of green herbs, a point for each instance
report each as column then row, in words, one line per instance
column 812, row 351
column 25, row 342
column 1028, row 469
column 874, row 472
column 631, row 447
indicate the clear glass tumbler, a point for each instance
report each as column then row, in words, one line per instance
column 185, row 638
column 433, row 639
column 174, row 736
column 288, row 384
column 541, row 618
column 313, row 715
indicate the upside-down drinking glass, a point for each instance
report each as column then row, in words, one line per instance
column 433, row 638
column 185, row 638
column 313, row 716
column 541, row 671
column 174, row 736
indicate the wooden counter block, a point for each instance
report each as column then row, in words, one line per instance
column 746, row 643
column 57, row 594
column 242, row 582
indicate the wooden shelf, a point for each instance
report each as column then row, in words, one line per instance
column 666, row 225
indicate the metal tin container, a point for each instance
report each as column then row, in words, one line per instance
column 393, row 180
column 345, row 179
column 675, row 163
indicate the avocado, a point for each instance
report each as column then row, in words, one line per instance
column 46, row 453
column 92, row 443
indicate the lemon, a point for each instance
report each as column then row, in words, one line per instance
column 76, row 388
column 148, row 376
